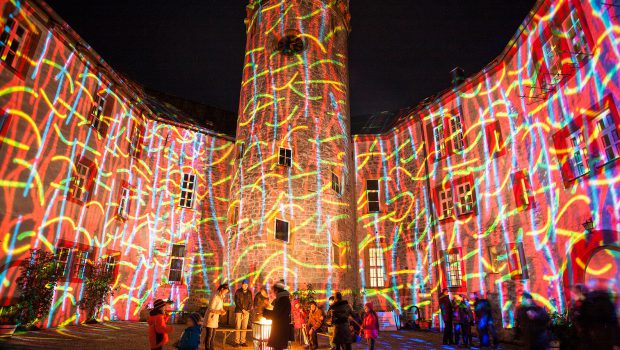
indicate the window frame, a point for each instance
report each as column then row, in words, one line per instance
column 240, row 150
column 580, row 147
column 453, row 264
column 285, row 157
column 11, row 36
column 374, row 192
column 88, row 181
column 96, row 114
column 573, row 19
column 187, row 194
column 457, row 136
column 125, row 192
column 27, row 47
column 177, row 257
column 376, row 268
column 606, row 115
column 445, row 196
column 335, row 184
column 522, row 190
column 77, row 263
column 495, row 139
column 464, row 198
column 137, row 138
column 517, row 262
column 276, row 231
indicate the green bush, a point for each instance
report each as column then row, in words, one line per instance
column 36, row 283
column 97, row 290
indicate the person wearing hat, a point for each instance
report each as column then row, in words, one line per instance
column 190, row 339
column 280, row 315
column 243, row 305
column 158, row 330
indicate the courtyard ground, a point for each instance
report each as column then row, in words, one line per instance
column 133, row 336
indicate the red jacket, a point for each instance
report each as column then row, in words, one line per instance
column 370, row 326
column 157, row 326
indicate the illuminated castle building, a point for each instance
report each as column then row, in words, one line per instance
column 486, row 186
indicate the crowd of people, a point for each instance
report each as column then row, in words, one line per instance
column 290, row 321
column 591, row 322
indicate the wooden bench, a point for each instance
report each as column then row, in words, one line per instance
column 226, row 332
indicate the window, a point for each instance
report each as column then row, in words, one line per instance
column 234, row 220
column 96, row 115
column 464, row 198
column 137, row 139
column 376, row 268
column 82, row 181
column 188, row 185
column 111, row 263
column 607, row 136
column 453, row 268
column 176, row 263
column 81, row 264
column 576, row 37
column 240, row 150
column 456, row 129
column 516, row 261
column 446, row 202
column 13, row 40
column 282, row 230
column 339, row 254
column 286, row 157
column 124, row 203
column 372, row 195
column 438, row 138
column 522, row 188
column 335, row 183
column 578, row 154
column 553, row 58
column 495, row 141
column 62, row 262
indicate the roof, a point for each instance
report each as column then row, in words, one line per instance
column 377, row 123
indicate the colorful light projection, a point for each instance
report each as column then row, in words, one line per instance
column 85, row 172
column 486, row 188
column 293, row 180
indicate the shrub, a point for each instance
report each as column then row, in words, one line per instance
column 36, row 283
column 97, row 290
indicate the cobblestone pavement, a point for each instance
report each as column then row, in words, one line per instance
column 133, row 336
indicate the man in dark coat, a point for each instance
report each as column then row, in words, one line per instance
column 484, row 322
column 532, row 321
column 280, row 316
column 445, row 305
column 599, row 320
column 243, row 306
column 341, row 314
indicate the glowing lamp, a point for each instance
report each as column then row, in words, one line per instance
column 261, row 331
column 588, row 225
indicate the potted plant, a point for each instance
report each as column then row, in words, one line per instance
column 96, row 291
column 560, row 329
column 36, row 283
column 8, row 322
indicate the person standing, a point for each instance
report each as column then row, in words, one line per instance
column 158, row 330
column 280, row 316
column 532, row 322
column 261, row 302
column 370, row 326
column 330, row 323
column 484, row 322
column 599, row 319
column 315, row 321
column 190, row 339
column 212, row 316
column 243, row 305
column 576, row 317
column 445, row 305
column 342, row 314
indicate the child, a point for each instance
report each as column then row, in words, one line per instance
column 370, row 326
column 299, row 316
column 190, row 339
column 158, row 330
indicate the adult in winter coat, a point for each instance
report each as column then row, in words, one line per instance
column 370, row 326
column 280, row 316
column 445, row 305
column 243, row 306
column 315, row 321
column 341, row 314
column 212, row 316
column 261, row 302
column 601, row 324
column 158, row 330
column 532, row 322
column 484, row 322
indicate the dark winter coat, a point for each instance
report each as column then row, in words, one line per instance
column 281, row 318
column 533, row 329
column 599, row 320
column 445, row 305
column 341, row 311
column 243, row 300
column 190, row 340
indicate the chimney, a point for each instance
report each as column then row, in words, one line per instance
column 458, row 76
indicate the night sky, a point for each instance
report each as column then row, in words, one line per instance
column 400, row 51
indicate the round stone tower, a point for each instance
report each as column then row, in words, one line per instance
column 292, row 211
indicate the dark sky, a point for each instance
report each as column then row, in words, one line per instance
column 401, row 51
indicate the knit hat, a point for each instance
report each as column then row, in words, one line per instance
column 158, row 304
column 245, row 281
column 195, row 317
column 369, row 305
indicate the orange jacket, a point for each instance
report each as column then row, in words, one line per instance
column 157, row 324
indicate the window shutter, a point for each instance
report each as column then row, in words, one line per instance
column 28, row 52
column 474, row 200
column 106, row 117
column 518, row 189
column 562, row 152
column 495, row 140
column 448, row 136
column 430, row 141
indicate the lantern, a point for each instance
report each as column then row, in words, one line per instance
column 261, row 331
